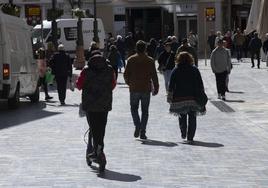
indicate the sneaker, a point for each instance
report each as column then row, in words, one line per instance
column 143, row 135
column 62, row 103
column 137, row 132
column 219, row 96
column 223, row 98
column 48, row 98
column 252, row 66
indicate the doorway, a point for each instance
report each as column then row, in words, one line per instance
column 186, row 24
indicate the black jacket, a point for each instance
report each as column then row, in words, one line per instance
column 61, row 64
column 255, row 44
column 97, row 87
column 185, row 82
column 166, row 61
column 265, row 46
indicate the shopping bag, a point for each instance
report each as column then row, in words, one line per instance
column 49, row 77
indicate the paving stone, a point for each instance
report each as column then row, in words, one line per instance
column 42, row 146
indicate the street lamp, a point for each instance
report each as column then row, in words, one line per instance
column 96, row 37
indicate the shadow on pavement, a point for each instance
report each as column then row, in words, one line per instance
column 116, row 176
column 204, row 144
column 27, row 112
column 157, row 143
column 237, row 92
column 238, row 101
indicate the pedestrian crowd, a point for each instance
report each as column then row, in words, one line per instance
column 177, row 62
column 240, row 44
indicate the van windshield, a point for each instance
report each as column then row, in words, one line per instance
column 37, row 35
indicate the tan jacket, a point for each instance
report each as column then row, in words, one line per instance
column 140, row 73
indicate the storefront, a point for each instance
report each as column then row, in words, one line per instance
column 34, row 11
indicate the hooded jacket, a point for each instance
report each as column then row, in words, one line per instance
column 97, row 85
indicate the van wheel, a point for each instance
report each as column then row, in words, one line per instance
column 14, row 102
column 35, row 97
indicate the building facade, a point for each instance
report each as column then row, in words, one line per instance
column 156, row 18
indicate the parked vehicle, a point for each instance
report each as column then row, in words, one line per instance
column 18, row 68
column 67, row 33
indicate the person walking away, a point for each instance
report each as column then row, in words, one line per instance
column 211, row 40
column 187, row 48
column 114, row 58
column 166, row 63
column 193, row 40
column 62, row 69
column 218, row 37
column 265, row 48
column 228, row 40
column 239, row 40
column 130, row 44
column 220, row 61
column 97, row 81
column 255, row 48
column 151, row 48
column 225, row 44
column 186, row 95
column 246, row 43
column 93, row 47
column 140, row 75
column 160, row 48
column 121, row 47
column 42, row 69
column 174, row 44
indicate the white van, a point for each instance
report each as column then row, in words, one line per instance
column 67, row 33
column 18, row 68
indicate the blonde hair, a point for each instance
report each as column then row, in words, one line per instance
column 184, row 58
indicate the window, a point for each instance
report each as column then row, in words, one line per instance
column 119, row 18
column 70, row 33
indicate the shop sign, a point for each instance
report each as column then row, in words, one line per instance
column 210, row 14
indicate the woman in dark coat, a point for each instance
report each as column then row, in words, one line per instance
column 114, row 57
column 186, row 94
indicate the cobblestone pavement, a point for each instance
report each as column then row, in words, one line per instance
column 41, row 146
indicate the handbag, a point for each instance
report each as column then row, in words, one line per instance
column 202, row 98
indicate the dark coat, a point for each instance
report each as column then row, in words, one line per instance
column 265, row 46
column 97, row 87
column 61, row 64
column 255, row 44
column 166, row 61
column 113, row 57
column 151, row 50
column 120, row 44
column 185, row 82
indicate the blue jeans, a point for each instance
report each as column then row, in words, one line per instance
column 167, row 75
column 135, row 99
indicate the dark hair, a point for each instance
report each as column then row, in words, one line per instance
column 184, row 58
column 140, row 46
column 184, row 41
column 41, row 53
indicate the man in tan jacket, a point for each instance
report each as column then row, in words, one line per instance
column 140, row 74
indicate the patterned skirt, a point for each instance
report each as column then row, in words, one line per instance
column 184, row 107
